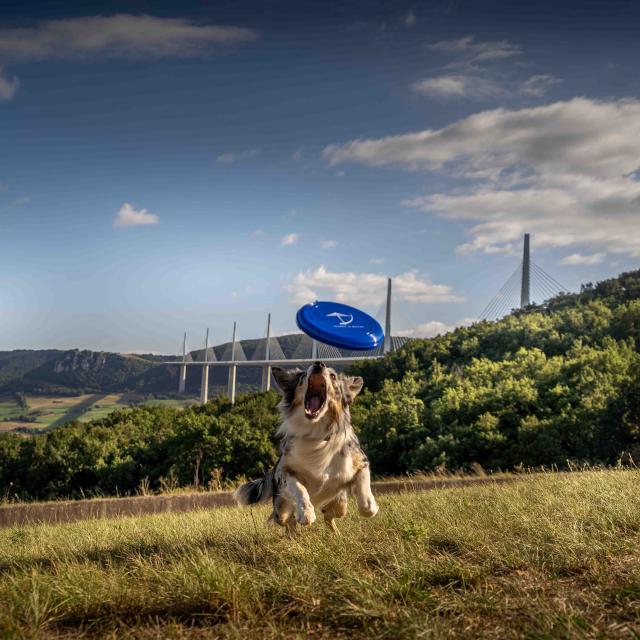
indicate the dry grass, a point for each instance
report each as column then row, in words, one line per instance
column 548, row 557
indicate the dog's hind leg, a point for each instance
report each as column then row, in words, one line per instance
column 337, row 508
column 282, row 511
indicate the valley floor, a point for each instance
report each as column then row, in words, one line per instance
column 553, row 556
column 46, row 412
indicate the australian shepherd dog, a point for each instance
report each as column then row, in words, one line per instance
column 320, row 457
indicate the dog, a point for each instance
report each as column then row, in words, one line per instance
column 321, row 460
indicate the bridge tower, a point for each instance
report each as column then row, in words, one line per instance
column 387, row 344
column 525, row 286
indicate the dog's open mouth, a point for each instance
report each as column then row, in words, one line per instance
column 316, row 396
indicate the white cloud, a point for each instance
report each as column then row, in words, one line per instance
column 579, row 259
column 557, row 171
column 328, row 244
column 121, row 35
column 129, row 217
column 237, row 156
column 296, row 156
column 538, row 85
column 256, row 233
column 433, row 328
column 366, row 288
column 19, row 202
column 376, row 261
column 410, row 19
column 289, row 239
column 458, row 86
column 473, row 51
column 8, row 86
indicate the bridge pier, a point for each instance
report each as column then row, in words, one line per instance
column 266, row 370
column 231, row 384
column 182, row 377
column 266, row 378
column 204, row 383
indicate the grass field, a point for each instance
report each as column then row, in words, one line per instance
column 50, row 411
column 547, row 557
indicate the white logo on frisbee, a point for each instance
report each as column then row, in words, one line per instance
column 343, row 318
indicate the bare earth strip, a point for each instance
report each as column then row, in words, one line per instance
column 74, row 510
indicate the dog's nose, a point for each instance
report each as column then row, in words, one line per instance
column 318, row 367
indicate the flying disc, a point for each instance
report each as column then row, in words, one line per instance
column 340, row 326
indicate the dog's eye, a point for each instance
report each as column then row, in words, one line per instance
column 333, row 376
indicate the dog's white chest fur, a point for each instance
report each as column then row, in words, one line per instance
column 321, row 465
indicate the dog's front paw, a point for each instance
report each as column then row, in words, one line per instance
column 368, row 508
column 306, row 516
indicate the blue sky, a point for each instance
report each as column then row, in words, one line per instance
column 170, row 166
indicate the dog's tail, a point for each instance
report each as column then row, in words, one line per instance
column 256, row 491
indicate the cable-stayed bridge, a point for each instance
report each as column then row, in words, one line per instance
column 527, row 284
column 269, row 353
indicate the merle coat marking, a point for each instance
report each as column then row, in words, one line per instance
column 320, row 456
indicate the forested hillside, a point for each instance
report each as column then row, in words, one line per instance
column 542, row 386
column 545, row 385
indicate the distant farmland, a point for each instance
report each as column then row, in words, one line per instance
column 44, row 412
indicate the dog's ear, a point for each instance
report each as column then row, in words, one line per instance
column 352, row 386
column 286, row 379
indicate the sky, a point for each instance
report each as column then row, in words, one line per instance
column 173, row 166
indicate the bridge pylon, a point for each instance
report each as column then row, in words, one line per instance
column 525, row 286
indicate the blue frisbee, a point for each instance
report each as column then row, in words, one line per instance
column 340, row 326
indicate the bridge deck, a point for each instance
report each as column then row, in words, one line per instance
column 273, row 363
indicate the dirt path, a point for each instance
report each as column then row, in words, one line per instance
column 73, row 510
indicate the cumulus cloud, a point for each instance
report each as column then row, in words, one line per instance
column 433, row 328
column 366, row 288
column 579, row 259
column 538, row 85
column 237, row 156
column 458, row 86
column 8, row 86
column 129, row 217
column 566, row 172
column 289, row 239
column 328, row 244
column 122, row 35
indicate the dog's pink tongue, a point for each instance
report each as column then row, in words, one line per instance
column 314, row 403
